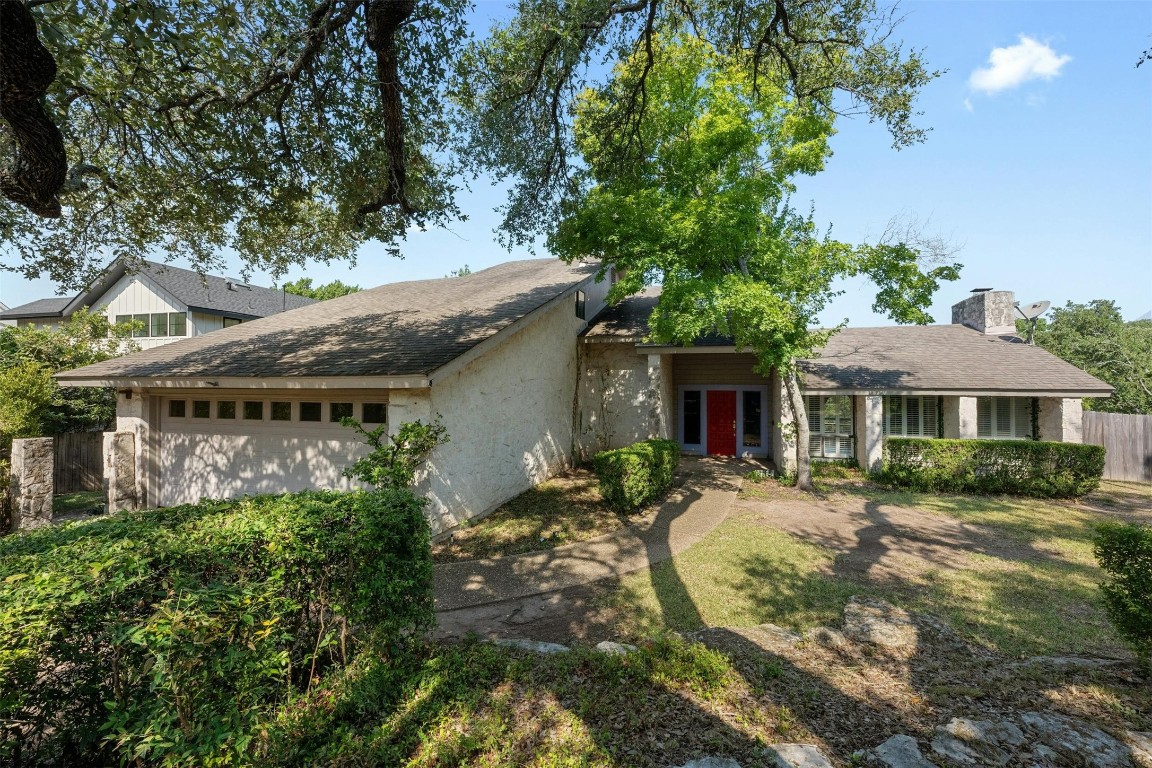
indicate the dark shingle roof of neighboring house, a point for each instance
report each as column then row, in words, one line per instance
column 202, row 293
column 399, row 329
column 935, row 358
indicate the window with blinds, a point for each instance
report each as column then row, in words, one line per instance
column 1004, row 418
column 911, row 416
column 829, row 426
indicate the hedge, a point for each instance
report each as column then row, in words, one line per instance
column 635, row 476
column 165, row 637
column 1124, row 551
column 1023, row 467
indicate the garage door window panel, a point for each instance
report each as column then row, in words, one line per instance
column 310, row 412
column 225, row 409
column 254, row 410
column 339, row 411
column 281, row 411
column 201, row 409
column 177, row 409
column 375, row 413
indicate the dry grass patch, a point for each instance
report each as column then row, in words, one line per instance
column 566, row 509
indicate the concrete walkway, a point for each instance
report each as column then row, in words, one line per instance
column 692, row 511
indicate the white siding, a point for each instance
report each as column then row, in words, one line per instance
column 202, row 323
column 138, row 294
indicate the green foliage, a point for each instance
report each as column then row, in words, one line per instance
column 167, row 636
column 635, row 476
column 1094, row 337
column 32, row 404
column 394, row 459
column 1023, row 467
column 1124, row 551
column 333, row 290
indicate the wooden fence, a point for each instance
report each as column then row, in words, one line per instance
column 79, row 462
column 1128, row 438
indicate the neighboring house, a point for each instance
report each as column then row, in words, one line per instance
column 529, row 371
column 971, row 379
column 3, row 309
column 256, row 408
column 168, row 302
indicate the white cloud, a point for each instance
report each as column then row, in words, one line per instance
column 968, row 104
column 1015, row 65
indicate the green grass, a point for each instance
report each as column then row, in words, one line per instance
column 563, row 510
column 73, row 503
column 1042, row 599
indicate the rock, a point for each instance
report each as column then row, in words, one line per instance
column 1042, row 757
column 902, row 751
column 711, row 762
column 1076, row 740
column 616, row 649
column 869, row 620
column 532, row 645
column 1067, row 662
column 977, row 742
column 1141, row 744
column 796, row 756
column 829, row 638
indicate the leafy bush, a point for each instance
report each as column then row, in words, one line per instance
column 1124, row 551
column 637, row 475
column 394, row 459
column 166, row 636
column 1024, row 467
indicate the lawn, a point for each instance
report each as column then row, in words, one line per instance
column 77, row 504
column 1034, row 592
column 563, row 510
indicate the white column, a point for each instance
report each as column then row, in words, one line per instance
column 1061, row 420
column 783, row 429
column 873, row 429
column 135, row 411
column 959, row 417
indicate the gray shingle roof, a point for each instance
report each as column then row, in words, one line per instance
column 39, row 308
column 399, row 329
column 924, row 357
column 203, row 293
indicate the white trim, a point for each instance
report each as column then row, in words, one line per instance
column 703, row 389
column 278, row 382
column 957, row 392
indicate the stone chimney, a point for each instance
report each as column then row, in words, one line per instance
column 991, row 312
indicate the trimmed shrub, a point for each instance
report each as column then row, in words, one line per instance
column 637, row 475
column 1124, row 551
column 166, row 636
column 1023, row 467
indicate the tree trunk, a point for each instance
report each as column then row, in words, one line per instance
column 40, row 165
column 800, row 418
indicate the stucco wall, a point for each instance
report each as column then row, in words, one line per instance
column 618, row 401
column 509, row 418
column 1061, row 419
column 959, row 417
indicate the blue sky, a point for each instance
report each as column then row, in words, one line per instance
column 1038, row 166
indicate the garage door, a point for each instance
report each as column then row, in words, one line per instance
column 226, row 447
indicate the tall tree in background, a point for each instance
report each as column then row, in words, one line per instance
column 322, row 292
column 705, row 212
column 1094, row 337
column 294, row 130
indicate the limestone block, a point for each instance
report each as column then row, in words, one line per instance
column 977, row 742
column 902, row 751
column 796, row 756
column 1077, row 740
column 121, row 473
column 33, row 484
column 1061, row 420
column 868, row 620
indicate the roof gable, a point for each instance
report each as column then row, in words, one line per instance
column 399, row 329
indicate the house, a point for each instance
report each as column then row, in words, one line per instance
column 973, row 378
column 3, row 309
column 169, row 303
column 529, row 371
column 256, row 408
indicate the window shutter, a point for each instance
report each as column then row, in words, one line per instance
column 845, row 447
column 912, row 417
column 814, row 414
column 815, row 445
column 931, row 417
column 895, row 416
column 984, row 417
column 1022, row 418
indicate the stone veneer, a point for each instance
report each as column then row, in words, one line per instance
column 990, row 312
column 33, row 463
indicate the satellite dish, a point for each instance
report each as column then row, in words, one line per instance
column 1031, row 313
column 1033, row 310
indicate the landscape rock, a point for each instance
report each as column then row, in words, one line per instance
column 870, row 620
column 829, row 638
column 796, row 756
column 711, row 762
column 977, row 742
column 1042, row 757
column 902, row 751
column 1076, row 740
column 1141, row 744
column 617, row 649
column 532, row 645
column 1067, row 662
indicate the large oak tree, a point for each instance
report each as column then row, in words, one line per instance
column 294, row 130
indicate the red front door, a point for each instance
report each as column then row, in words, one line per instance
column 721, row 423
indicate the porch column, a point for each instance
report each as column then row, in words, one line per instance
column 660, row 397
column 1061, row 419
column 872, row 428
column 783, row 426
column 137, row 415
column 959, row 417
